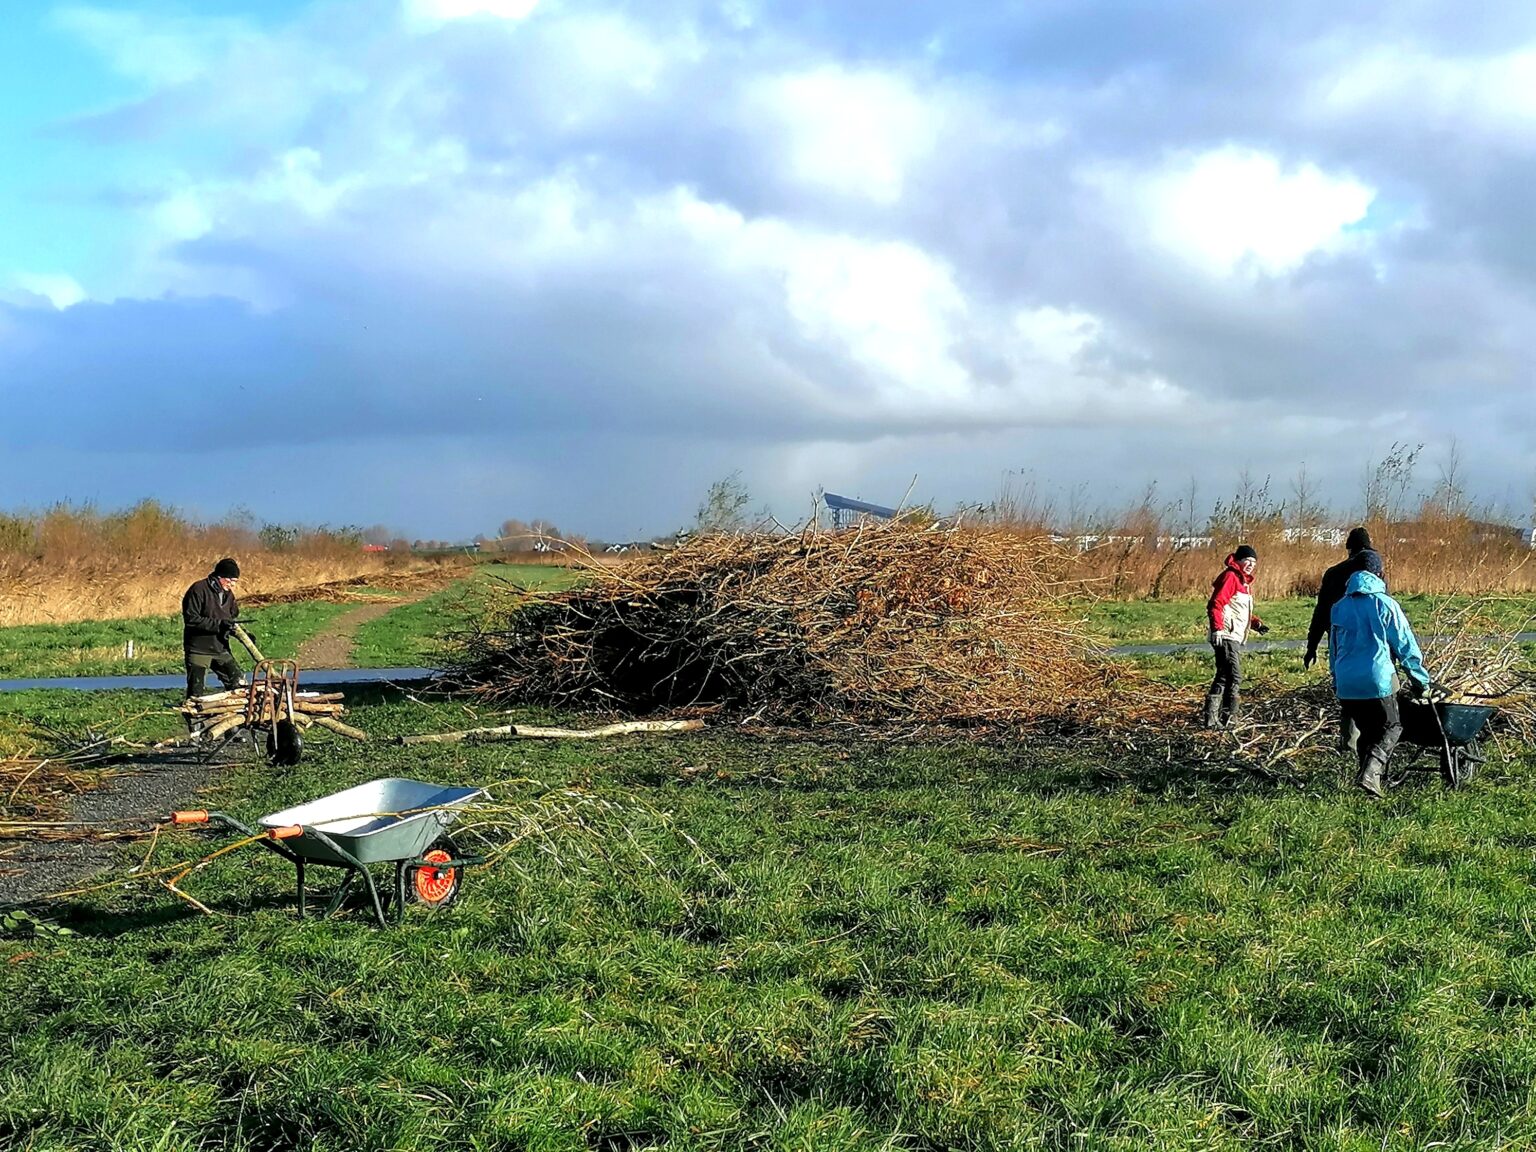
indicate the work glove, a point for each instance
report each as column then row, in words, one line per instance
column 1309, row 659
column 1260, row 627
column 1418, row 689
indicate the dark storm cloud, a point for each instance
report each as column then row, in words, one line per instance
column 839, row 241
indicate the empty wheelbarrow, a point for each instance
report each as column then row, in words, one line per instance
column 390, row 821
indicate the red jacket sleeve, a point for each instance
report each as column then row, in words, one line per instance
column 1225, row 589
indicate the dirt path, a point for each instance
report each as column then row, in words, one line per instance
column 333, row 647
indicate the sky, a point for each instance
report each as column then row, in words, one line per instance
column 441, row 263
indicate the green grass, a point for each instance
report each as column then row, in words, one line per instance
column 408, row 636
column 1184, row 621
column 413, row 635
column 913, row 946
column 98, row 648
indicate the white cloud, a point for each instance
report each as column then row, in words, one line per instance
column 1233, row 209
column 1489, row 94
column 60, row 290
column 856, row 133
column 441, row 11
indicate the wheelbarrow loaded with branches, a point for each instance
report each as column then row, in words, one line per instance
column 1452, row 730
column 269, row 708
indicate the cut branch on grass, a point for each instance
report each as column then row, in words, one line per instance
column 528, row 732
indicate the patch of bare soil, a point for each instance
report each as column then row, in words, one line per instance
column 333, row 647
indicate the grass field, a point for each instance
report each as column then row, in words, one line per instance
column 405, row 637
column 1182, row 621
column 414, row 634
column 99, row 648
column 814, row 944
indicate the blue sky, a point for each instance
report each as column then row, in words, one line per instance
column 440, row 263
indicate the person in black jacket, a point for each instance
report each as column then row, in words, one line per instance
column 208, row 614
column 1362, row 557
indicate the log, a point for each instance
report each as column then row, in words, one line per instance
column 217, row 697
column 344, row 729
column 223, row 727
column 527, row 732
column 250, row 645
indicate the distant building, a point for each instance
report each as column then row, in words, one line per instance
column 847, row 512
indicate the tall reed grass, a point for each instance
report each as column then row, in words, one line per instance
column 1430, row 556
column 75, row 562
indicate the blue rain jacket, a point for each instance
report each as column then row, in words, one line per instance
column 1368, row 633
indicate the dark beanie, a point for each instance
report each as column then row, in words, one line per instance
column 1369, row 560
column 1245, row 552
column 227, row 568
column 1358, row 540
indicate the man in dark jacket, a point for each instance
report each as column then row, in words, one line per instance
column 208, row 614
column 1362, row 557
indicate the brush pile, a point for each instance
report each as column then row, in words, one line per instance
column 890, row 623
column 220, row 713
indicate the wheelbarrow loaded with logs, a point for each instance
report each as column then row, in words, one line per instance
column 269, row 707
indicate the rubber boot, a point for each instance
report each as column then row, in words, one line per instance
column 1369, row 778
column 1231, row 707
column 1212, row 716
column 1348, row 735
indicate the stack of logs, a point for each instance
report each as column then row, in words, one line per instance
column 222, row 712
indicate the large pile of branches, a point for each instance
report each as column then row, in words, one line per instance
column 888, row 623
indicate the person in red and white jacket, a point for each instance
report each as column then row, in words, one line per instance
column 1231, row 617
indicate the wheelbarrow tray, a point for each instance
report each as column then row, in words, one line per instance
column 389, row 819
column 1461, row 723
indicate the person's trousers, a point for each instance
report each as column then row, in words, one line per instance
column 1380, row 725
column 198, row 665
column 1229, row 675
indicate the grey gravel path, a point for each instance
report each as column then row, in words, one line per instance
column 140, row 797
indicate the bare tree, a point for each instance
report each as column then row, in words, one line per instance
column 724, row 507
column 1449, row 498
column 1387, row 482
column 1306, row 510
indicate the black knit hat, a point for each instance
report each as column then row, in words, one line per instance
column 1369, row 560
column 1245, row 552
column 1358, row 540
column 227, row 569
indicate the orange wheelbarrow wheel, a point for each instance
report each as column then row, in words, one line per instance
column 432, row 886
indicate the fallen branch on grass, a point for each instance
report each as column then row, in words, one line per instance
column 527, row 732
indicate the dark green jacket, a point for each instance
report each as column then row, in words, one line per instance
column 207, row 612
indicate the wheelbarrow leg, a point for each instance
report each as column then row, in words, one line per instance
column 399, row 908
column 300, row 865
column 373, row 893
column 341, row 893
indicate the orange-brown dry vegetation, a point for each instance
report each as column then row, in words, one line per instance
column 75, row 563
column 1430, row 556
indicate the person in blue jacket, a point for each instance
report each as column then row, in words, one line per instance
column 1367, row 634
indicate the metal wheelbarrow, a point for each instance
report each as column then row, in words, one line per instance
column 1450, row 730
column 389, row 821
